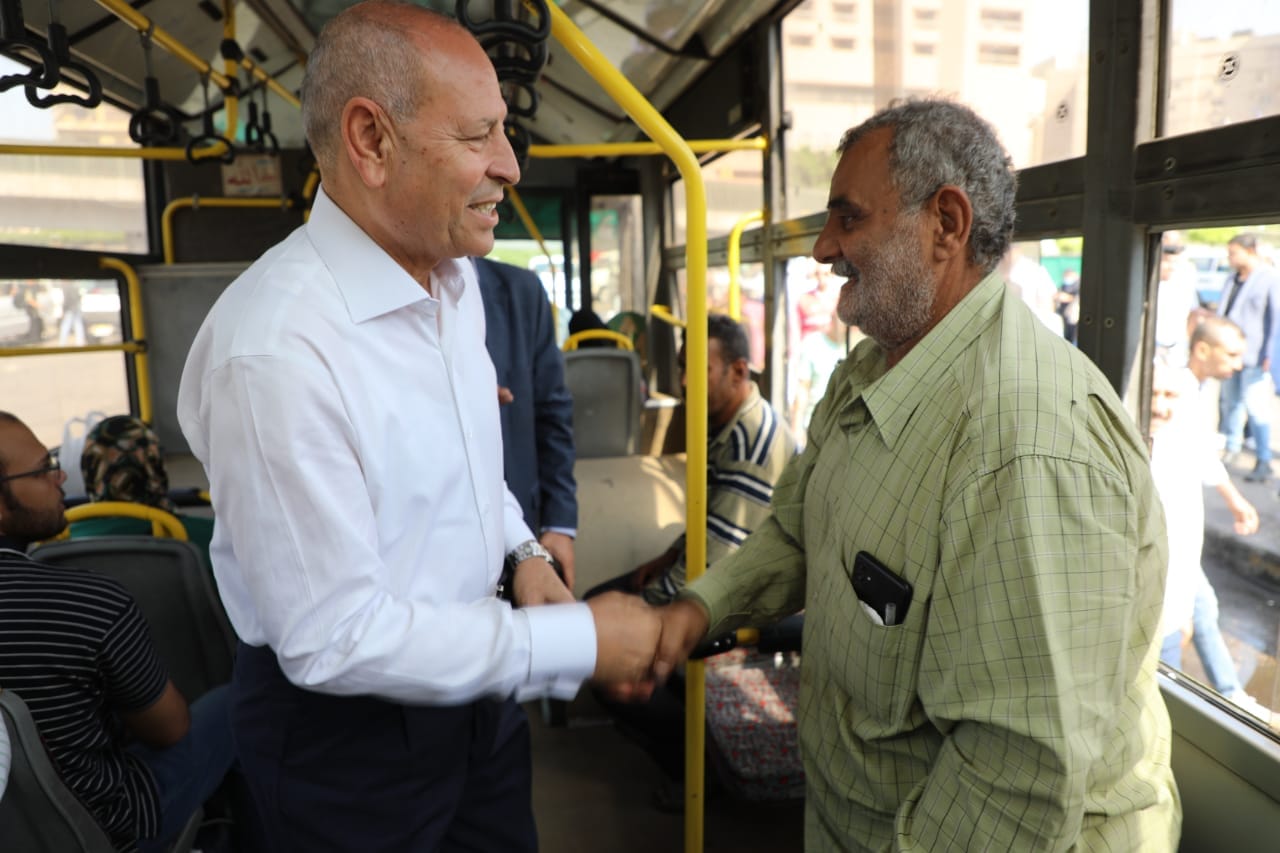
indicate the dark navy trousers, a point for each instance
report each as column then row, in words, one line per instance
column 338, row 773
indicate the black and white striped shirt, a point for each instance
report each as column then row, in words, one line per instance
column 75, row 647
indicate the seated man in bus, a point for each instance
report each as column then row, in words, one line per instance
column 535, row 406
column 75, row 647
column 748, row 445
column 121, row 461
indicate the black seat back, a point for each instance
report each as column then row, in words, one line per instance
column 38, row 812
column 607, row 399
column 176, row 594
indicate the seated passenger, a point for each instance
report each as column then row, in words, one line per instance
column 75, row 647
column 122, row 462
column 585, row 320
column 748, row 445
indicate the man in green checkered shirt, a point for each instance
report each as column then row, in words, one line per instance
column 1009, row 700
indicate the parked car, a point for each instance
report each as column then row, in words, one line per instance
column 100, row 304
column 1211, row 274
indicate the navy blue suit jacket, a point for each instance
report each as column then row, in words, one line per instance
column 537, row 426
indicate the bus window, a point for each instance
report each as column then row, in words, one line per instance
column 68, row 202
column 735, row 186
column 1214, row 400
column 617, row 268
column 1046, row 274
column 1220, row 64
column 1022, row 66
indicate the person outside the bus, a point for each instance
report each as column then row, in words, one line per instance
column 536, row 409
column 343, row 405
column 972, row 531
column 71, row 326
column 748, row 445
column 1184, row 459
column 1176, row 299
column 75, row 647
column 1251, row 300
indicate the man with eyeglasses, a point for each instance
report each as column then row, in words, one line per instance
column 75, row 647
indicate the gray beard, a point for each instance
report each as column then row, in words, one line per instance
column 890, row 298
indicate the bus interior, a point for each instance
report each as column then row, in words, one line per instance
column 675, row 159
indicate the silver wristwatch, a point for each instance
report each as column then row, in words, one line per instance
column 523, row 551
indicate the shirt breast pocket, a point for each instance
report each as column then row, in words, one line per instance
column 884, row 666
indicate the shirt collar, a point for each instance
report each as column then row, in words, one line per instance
column 370, row 281
column 8, row 543
column 890, row 397
column 723, row 434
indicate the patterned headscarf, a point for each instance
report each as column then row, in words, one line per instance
column 121, row 462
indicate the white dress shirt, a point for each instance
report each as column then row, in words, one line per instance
column 348, row 423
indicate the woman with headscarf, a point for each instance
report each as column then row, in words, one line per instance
column 122, row 462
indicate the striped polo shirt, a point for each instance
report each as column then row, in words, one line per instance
column 75, row 647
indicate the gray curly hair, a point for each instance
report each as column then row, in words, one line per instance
column 938, row 142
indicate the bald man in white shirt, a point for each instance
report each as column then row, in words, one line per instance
column 341, row 400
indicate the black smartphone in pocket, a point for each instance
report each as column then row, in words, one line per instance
column 880, row 589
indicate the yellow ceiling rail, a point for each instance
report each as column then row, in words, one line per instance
column 111, row 151
column 735, row 261
column 309, row 192
column 142, row 24
column 271, row 82
column 137, row 332
column 196, row 202
column 629, row 149
column 660, row 131
column 532, row 227
column 163, row 523
column 663, row 313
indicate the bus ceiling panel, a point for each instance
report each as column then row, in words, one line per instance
column 1232, row 147
column 1227, row 198
column 563, row 117
column 114, row 47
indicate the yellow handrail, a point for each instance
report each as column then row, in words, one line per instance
column 113, row 151
column 572, row 342
column 196, row 202
column 735, row 261
column 164, row 524
column 137, row 332
column 652, row 123
column 663, row 313
column 635, row 149
column 532, row 227
column 18, row 352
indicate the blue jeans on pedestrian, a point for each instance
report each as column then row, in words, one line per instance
column 1207, row 637
column 188, row 772
column 1237, row 404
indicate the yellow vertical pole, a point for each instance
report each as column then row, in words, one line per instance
column 652, row 123
column 137, row 332
column 735, row 262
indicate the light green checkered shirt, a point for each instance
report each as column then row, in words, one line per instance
column 1016, row 706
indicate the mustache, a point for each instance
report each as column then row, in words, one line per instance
column 845, row 269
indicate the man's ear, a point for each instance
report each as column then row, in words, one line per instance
column 954, row 220
column 367, row 140
column 741, row 370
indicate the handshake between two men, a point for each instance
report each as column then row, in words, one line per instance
column 637, row 645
